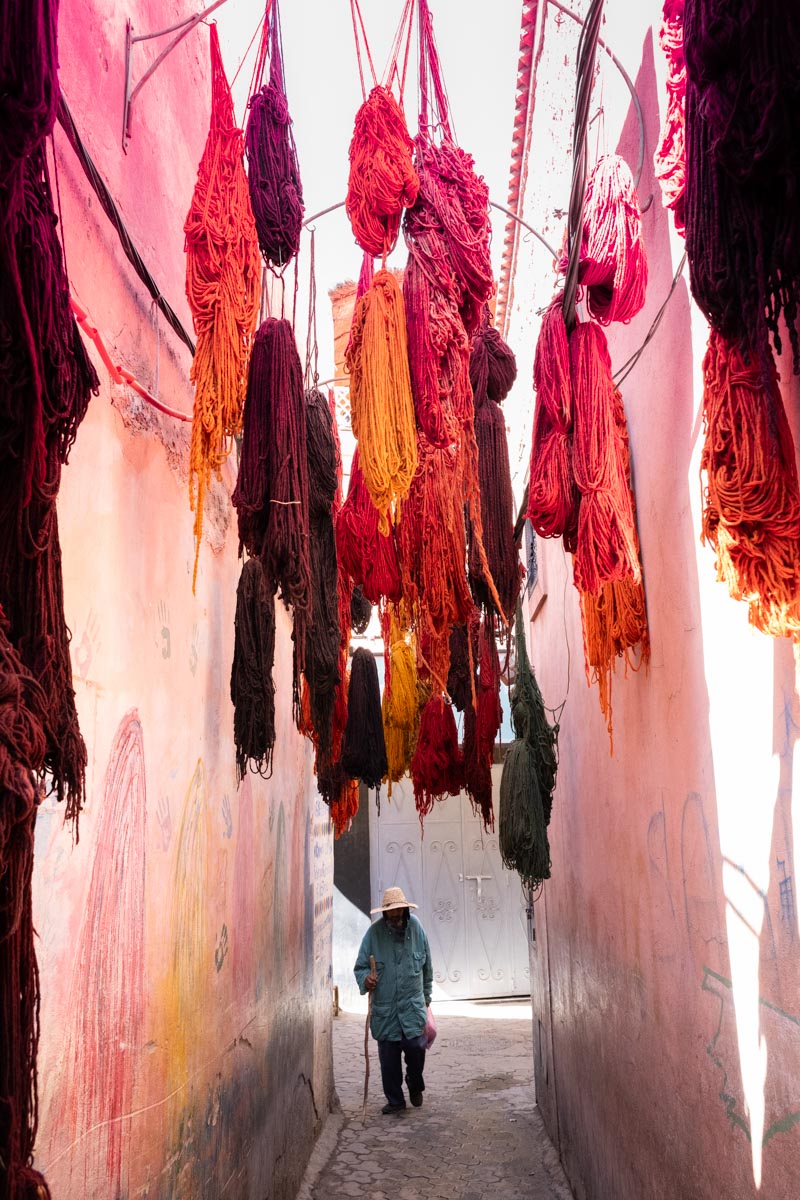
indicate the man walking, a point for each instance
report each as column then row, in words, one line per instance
column 401, row 988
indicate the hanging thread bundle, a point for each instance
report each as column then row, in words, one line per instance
column 360, row 612
column 669, row 159
column 381, row 407
column 437, row 768
column 529, row 775
column 252, row 688
column 273, row 172
column 743, row 169
column 482, row 724
column 751, row 500
column 364, row 748
column 399, row 705
column 382, row 180
column 368, row 556
column 223, row 287
column 23, row 705
column 613, row 260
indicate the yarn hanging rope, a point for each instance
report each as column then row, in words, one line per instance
column 23, row 707
column 368, row 557
column 252, row 687
column 399, row 704
column 608, row 547
column 613, row 262
column 553, row 496
column 751, row 512
column 363, row 747
column 669, row 159
column 223, row 275
column 273, row 172
column 381, row 406
column 437, row 768
column 743, row 170
column 496, row 369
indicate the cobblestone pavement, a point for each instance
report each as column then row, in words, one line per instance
column 478, row 1133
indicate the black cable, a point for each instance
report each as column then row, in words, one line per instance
column 112, row 212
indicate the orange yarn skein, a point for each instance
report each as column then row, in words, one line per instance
column 381, row 405
column 382, row 178
column 223, row 275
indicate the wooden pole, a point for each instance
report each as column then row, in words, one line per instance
column 366, row 1042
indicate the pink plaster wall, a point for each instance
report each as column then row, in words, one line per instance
column 184, row 944
column 666, row 964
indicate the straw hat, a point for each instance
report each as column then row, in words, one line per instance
column 393, row 898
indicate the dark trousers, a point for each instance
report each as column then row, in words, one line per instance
column 391, row 1060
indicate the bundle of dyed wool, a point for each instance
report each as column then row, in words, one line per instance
column 482, row 724
column 607, row 547
column 252, row 689
column 669, row 159
column 613, row 261
column 529, row 776
column 752, row 501
column 223, row 277
column 28, row 78
column 493, row 369
column 437, row 768
column 382, row 179
column 273, row 173
column 399, row 704
column 364, row 748
column 553, row 496
column 463, row 658
column 323, row 633
column 368, row 556
column 743, row 169
column 381, row 407
column 22, row 747
column 360, row 612
column 614, row 623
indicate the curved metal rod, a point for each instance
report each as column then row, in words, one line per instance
column 323, row 212
column 629, row 82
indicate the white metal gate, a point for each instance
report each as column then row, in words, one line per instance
column 472, row 908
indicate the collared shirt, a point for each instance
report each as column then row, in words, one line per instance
column 405, row 979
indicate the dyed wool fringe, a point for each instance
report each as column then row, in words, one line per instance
column 360, row 612
column 382, row 179
column 669, row 159
column 481, row 726
column 613, row 261
column 553, row 496
column 364, row 748
column 271, row 494
column 529, row 776
column 22, row 746
column 399, row 705
column 273, row 173
column 607, row 569
column 493, row 370
column 752, row 501
column 463, row 659
column 46, row 380
column 437, row 768
column 252, row 689
column 743, row 169
column 323, row 636
column 223, row 274
column 381, row 406
column 368, row 556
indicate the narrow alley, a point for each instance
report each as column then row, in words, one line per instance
column 478, row 1133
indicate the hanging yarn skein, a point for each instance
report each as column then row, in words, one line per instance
column 669, row 159
column 223, row 277
column 368, row 556
column 360, row 612
column 382, row 180
column 437, row 768
column 553, row 496
column 751, row 499
column 613, row 260
column 743, row 170
column 381, row 407
column 252, row 689
column 273, row 172
column 364, row 748
column 399, row 705
column 482, row 724
column 22, row 747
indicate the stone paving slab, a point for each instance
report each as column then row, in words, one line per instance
column 478, row 1133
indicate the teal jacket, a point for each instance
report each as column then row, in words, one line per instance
column 405, row 979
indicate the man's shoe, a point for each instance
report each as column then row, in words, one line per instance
column 393, row 1108
column 416, row 1099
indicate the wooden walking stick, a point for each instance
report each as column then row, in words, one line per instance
column 366, row 1041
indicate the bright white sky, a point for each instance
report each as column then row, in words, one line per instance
column 479, row 49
